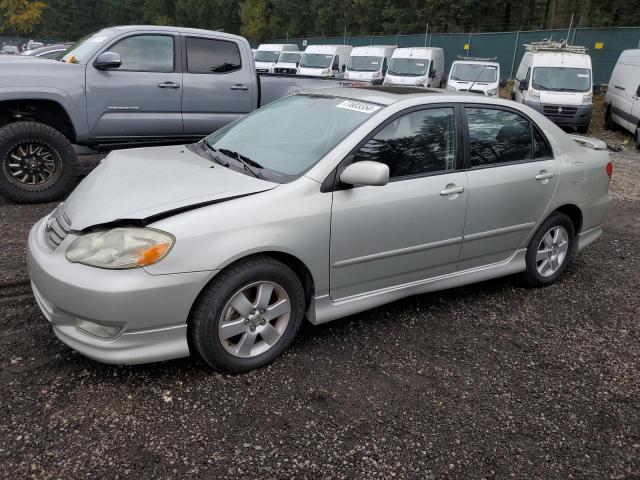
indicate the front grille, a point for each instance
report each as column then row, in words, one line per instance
column 285, row 71
column 56, row 228
column 558, row 111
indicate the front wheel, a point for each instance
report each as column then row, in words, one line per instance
column 583, row 128
column 38, row 163
column 248, row 315
column 550, row 250
column 608, row 121
column 637, row 138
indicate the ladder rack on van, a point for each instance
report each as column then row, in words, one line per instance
column 477, row 59
column 548, row 45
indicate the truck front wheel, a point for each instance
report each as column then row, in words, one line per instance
column 38, row 163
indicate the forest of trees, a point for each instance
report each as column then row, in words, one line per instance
column 263, row 19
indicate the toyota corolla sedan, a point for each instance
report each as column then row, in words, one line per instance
column 318, row 206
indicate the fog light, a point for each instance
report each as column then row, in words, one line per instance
column 95, row 329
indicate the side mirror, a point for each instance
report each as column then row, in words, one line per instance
column 503, row 83
column 366, row 173
column 523, row 84
column 107, row 61
column 432, row 74
column 344, row 67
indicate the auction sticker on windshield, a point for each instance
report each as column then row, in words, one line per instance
column 363, row 107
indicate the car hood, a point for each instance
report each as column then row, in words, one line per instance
column 140, row 183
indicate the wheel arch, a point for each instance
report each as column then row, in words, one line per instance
column 42, row 110
column 573, row 212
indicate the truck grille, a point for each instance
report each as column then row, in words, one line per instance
column 56, row 228
column 557, row 111
column 286, row 71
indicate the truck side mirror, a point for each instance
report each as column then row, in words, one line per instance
column 344, row 67
column 107, row 61
column 523, row 84
column 503, row 83
column 432, row 74
column 638, row 91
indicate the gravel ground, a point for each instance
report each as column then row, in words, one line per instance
column 487, row 381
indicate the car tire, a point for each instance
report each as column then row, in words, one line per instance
column 46, row 153
column 231, row 335
column 583, row 128
column 550, row 251
column 609, row 124
column 637, row 138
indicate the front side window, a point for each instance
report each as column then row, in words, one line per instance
column 205, row 55
column 417, row 143
column 316, row 60
column 497, row 136
column 474, row 72
column 408, row 67
column 289, row 136
column 145, row 53
column 364, row 64
column 561, row 79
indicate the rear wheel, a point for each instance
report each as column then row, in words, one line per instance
column 637, row 138
column 248, row 315
column 550, row 250
column 608, row 121
column 38, row 163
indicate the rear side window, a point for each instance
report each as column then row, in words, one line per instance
column 417, row 143
column 540, row 147
column 145, row 53
column 206, row 55
column 498, row 136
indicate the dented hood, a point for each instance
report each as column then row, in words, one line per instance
column 141, row 183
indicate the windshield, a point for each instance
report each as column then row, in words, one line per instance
column 561, row 79
column 289, row 57
column 266, row 56
column 408, row 67
column 291, row 135
column 474, row 72
column 84, row 48
column 364, row 64
column 316, row 60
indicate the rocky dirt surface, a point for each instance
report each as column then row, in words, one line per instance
column 488, row 381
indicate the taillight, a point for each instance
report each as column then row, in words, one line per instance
column 609, row 169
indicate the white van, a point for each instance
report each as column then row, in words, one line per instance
column 369, row 64
column 475, row 75
column 324, row 60
column 556, row 80
column 622, row 101
column 268, row 54
column 287, row 63
column 416, row 66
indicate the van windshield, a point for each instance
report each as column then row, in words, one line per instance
column 264, row 138
column 316, row 60
column 266, row 56
column 364, row 64
column 291, row 57
column 408, row 67
column 474, row 72
column 561, row 79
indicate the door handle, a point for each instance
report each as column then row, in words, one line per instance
column 239, row 86
column 544, row 175
column 169, row 85
column 451, row 189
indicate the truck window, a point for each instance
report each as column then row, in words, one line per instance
column 145, row 53
column 206, row 55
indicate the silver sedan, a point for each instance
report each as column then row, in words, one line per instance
column 317, row 206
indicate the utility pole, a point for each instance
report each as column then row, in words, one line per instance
column 570, row 25
column 344, row 40
column 426, row 34
column 515, row 51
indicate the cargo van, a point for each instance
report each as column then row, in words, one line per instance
column 324, row 60
column 369, row 64
column 416, row 66
column 622, row 101
column 268, row 54
column 287, row 63
column 556, row 79
column 475, row 75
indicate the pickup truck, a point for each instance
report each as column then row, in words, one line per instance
column 121, row 87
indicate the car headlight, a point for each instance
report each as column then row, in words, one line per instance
column 120, row 248
column 492, row 93
column 586, row 98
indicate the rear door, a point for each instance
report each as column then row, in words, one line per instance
column 218, row 87
column 512, row 178
column 623, row 92
column 141, row 98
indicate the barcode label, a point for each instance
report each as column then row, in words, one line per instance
column 363, row 107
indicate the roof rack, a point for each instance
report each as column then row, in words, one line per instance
column 549, row 45
column 478, row 59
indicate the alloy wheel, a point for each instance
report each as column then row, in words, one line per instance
column 31, row 164
column 254, row 319
column 552, row 251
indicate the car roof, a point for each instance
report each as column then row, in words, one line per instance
column 162, row 28
column 388, row 95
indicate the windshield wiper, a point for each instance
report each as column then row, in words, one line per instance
column 247, row 163
column 214, row 153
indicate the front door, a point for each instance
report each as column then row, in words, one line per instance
column 141, row 98
column 411, row 228
column 218, row 89
column 512, row 177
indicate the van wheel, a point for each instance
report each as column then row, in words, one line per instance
column 608, row 121
column 248, row 315
column 637, row 138
column 38, row 163
column 583, row 128
column 550, row 251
